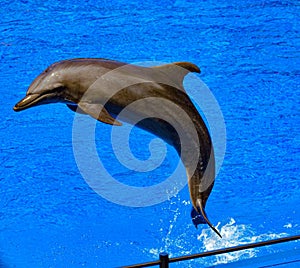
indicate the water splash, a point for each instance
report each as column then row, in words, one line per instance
column 177, row 243
column 233, row 235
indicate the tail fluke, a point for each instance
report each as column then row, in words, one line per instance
column 199, row 217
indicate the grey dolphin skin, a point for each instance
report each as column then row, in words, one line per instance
column 103, row 88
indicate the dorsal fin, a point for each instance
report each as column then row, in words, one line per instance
column 191, row 67
column 178, row 70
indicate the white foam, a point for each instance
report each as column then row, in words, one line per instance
column 233, row 235
column 288, row 225
column 178, row 242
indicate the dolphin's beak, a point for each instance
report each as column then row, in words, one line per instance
column 31, row 100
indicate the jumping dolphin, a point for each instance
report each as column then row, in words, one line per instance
column 102, row 88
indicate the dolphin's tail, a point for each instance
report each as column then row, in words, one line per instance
column 199, row 217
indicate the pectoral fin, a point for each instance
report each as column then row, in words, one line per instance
column 98, row 112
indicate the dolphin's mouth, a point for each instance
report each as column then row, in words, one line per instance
column 32, row 100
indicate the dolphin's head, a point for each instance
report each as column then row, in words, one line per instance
column 48, row 87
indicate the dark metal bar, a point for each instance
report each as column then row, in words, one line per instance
column 164, row 260
column 215, row 252
column 237, row 248
column 141, row 265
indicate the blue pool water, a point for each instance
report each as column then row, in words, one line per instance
column 249, row 54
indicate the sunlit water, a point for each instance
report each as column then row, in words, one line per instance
column 248, row 52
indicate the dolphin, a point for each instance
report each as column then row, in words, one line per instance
column 103, row 88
